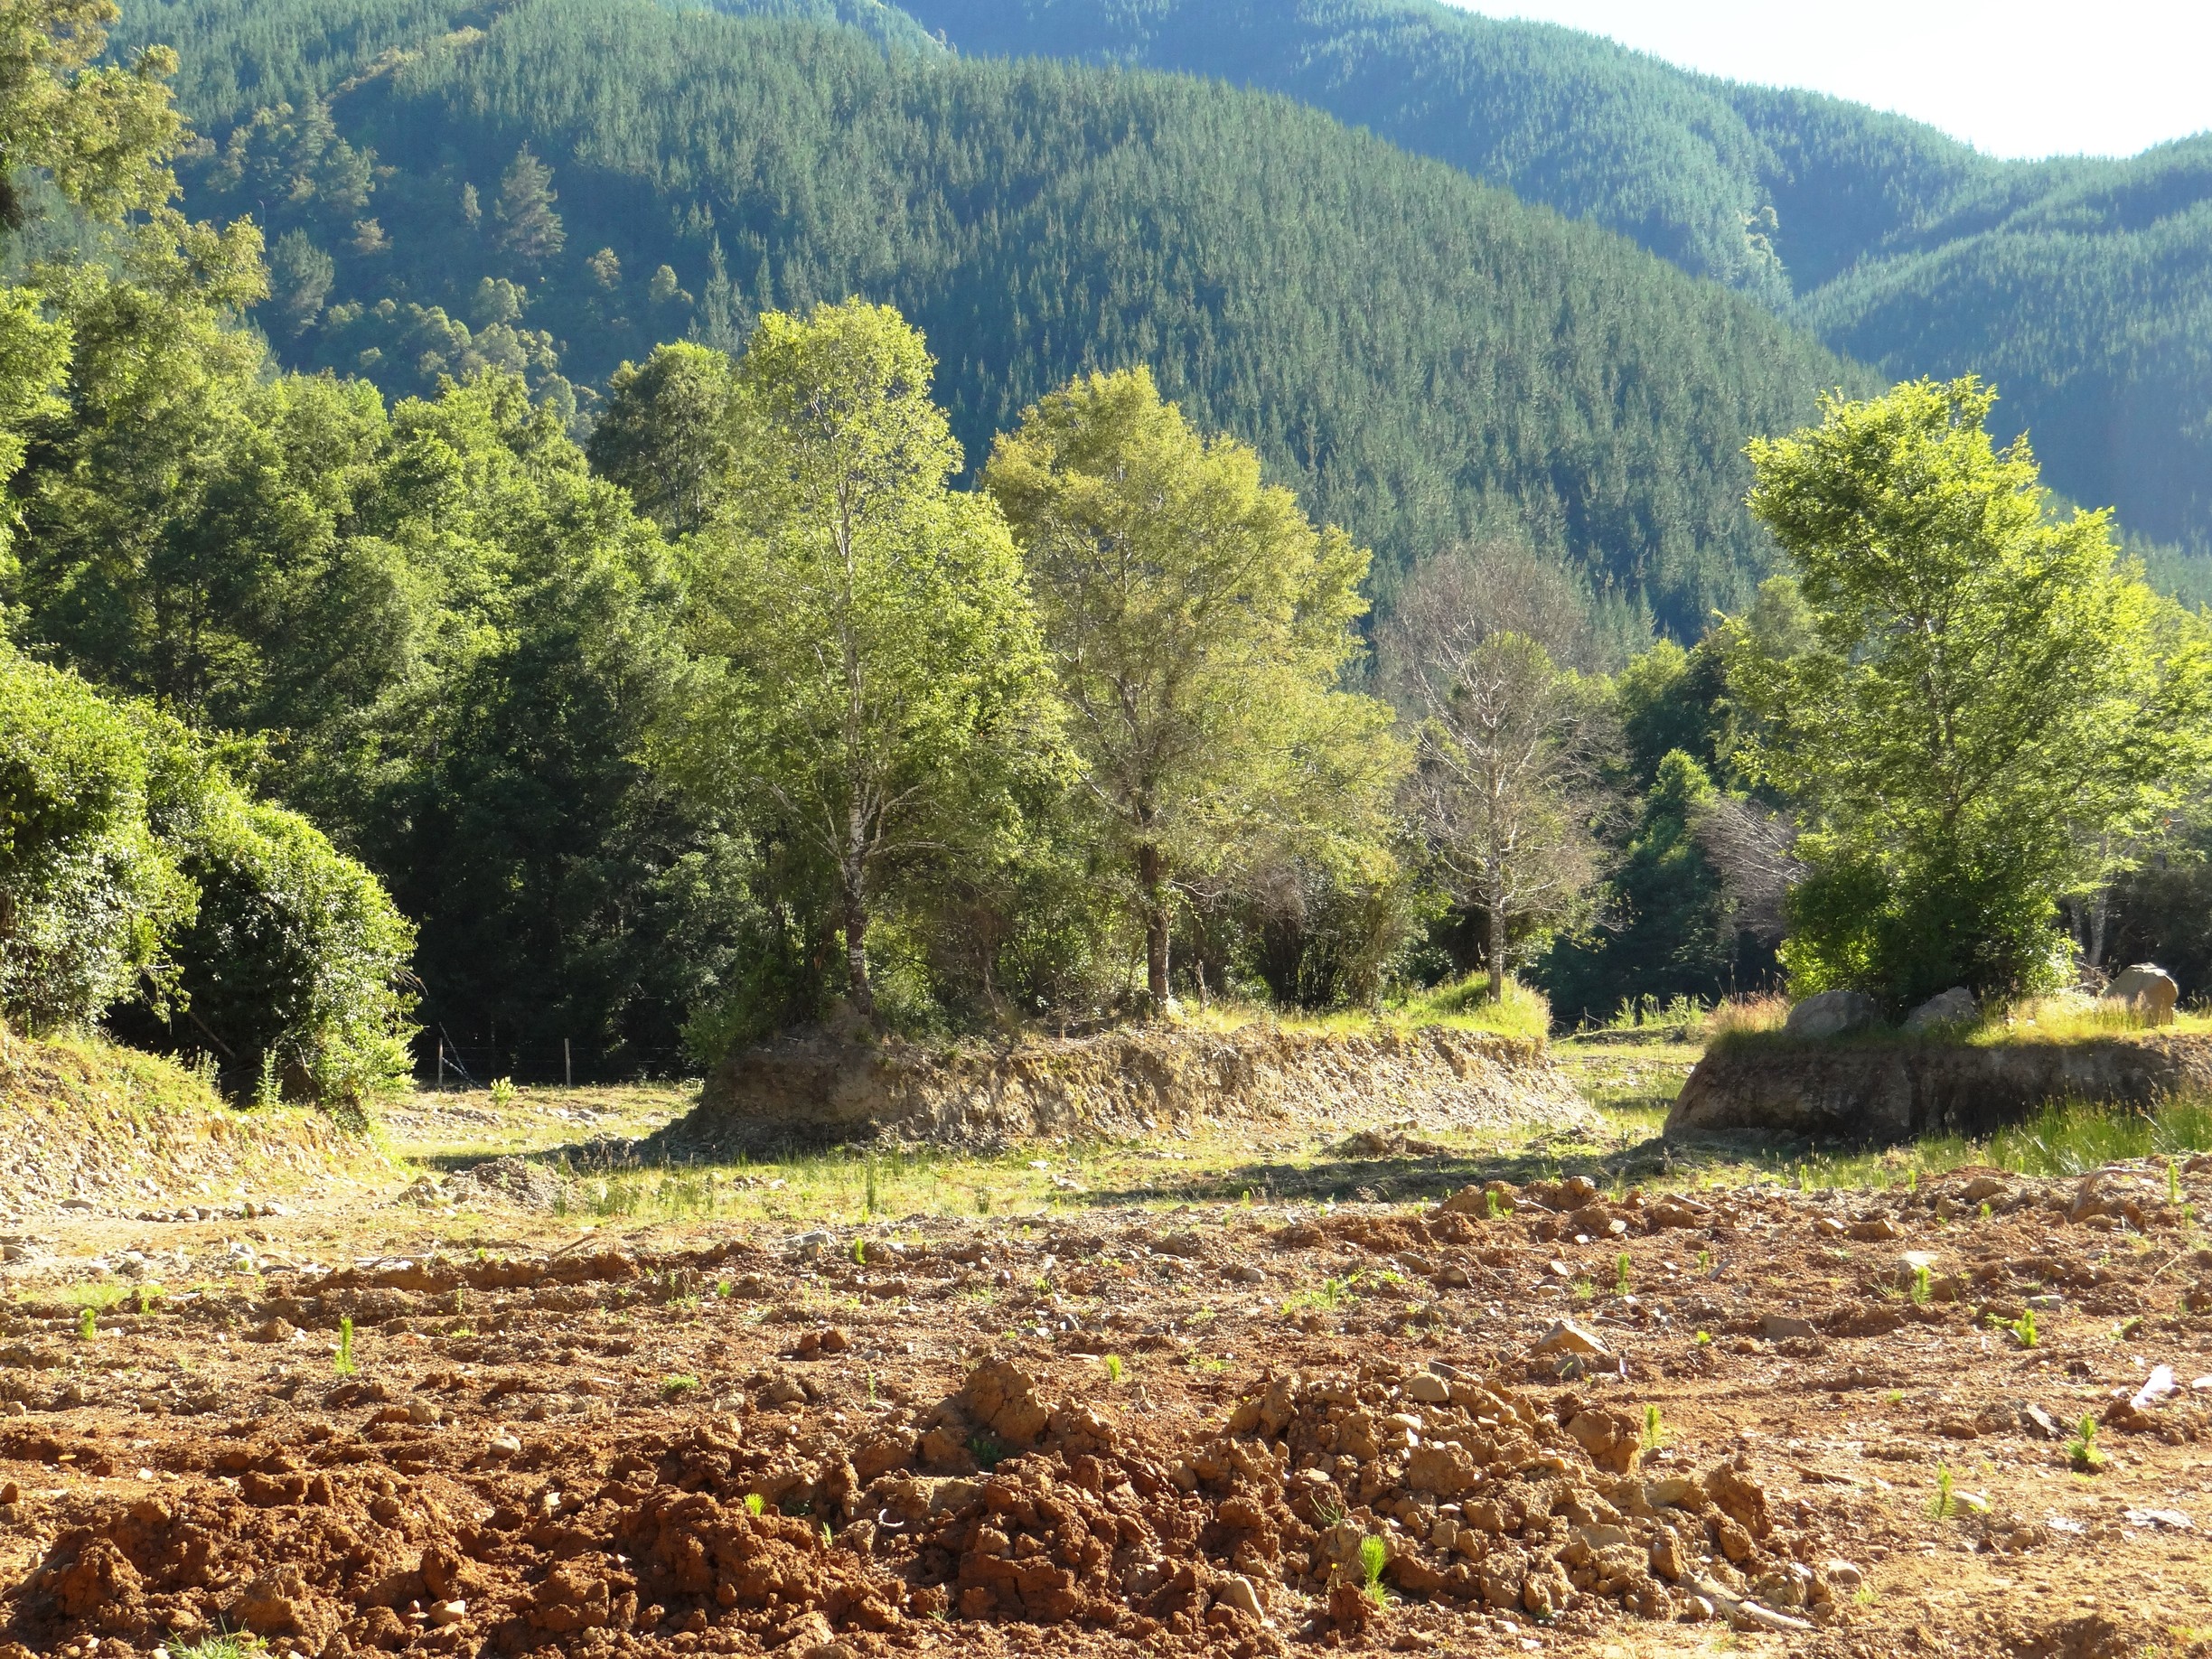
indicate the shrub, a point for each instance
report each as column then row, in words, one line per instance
column 295, row 949
column 88, row 896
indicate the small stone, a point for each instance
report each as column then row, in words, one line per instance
column 1236, row 1591
column 1566, row 1336
column 1842, row 1574
column 504, row 1446
column 423, row 1413
column 1428, row 1389
column 1782, row 1328
column 444, row 1613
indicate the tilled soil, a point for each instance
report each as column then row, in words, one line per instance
column 1539, row 1420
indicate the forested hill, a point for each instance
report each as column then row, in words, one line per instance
column 240, row 55
column 1422, row 357
column 2081, row 287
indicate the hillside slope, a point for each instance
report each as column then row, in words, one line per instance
column 1421, row 357
column 2081, row 286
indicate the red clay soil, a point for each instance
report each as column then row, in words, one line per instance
column 869, row 1446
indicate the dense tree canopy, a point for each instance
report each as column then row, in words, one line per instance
column 1991, row 710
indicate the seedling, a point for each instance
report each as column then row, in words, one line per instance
column 1944, row 1505
column 2023, row 1328
column 1654, row 1432
column 1704, row 1339
column 1493, row 1207
column 871, row 1388
column 755, row 1505
column 1984, row 1211
column 725, row 1289
column 1373, row 1556
column 88, row 1326
column 988, row 1452
column 1622, row 1273
column 1923, row 1287
column 224, row 1645
column 503, row 1092
column 1330, row 1512
column 341, row 1361
column 676, row 1387
column 1584, row 1290
column 2125, row 1330
column 1705, row 1260
column 859, row 1252
column 268, row 1090
column 2081, row 1451
column 1113, row 1368
column 1912, row 1179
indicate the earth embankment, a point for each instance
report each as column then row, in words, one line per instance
column 1887, row 1090
column 825, row 1087
column 91, row 1126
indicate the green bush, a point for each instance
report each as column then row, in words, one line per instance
column 138, row 881
column 294, row 950
column 88, row 896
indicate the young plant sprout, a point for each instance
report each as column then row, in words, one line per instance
column 342, row 1363
column 2081, row 1451
column 1943, row 1507
column 1373, row 1556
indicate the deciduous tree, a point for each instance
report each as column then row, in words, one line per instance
column 1509, row 740
column 1989, row 703
column 1202, row 628
column 868, row 673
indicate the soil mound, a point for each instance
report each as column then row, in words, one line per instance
column 1889, row 1090
column 829, row 1087
column 93, row 1126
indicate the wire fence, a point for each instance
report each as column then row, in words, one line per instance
column 443, row 1064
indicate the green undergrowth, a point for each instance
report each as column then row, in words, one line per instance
column 1463, row 1005
column 2047, row 1024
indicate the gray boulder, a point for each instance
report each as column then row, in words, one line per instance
column 1831, row 1014
column 2147, row 991
column 1955, row 1006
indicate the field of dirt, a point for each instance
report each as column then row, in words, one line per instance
column 1543, row 1418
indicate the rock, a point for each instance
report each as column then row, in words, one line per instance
column 1842, row 1574
column 1566, row 1336
column 1875, row 1230
column 1429, row 1389
column 2147, row 991
column 1955, row 1006
column 1832, row 1014
column 1782, row 1328
column 1236, row 1591
column 444, row 1613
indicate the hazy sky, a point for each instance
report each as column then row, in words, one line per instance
column 2014, row 78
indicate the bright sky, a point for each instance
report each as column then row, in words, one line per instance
column 2013, row 78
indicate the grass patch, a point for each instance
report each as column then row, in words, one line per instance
column 1463, row 1005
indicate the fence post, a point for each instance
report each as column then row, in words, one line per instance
column 441, row 1083
column 568, row 1066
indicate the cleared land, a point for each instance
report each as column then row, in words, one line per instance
column 1136, row 1397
